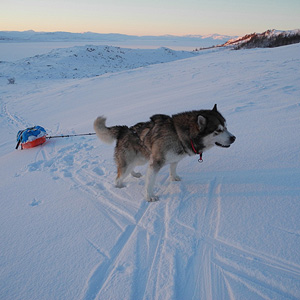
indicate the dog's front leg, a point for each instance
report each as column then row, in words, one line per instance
column 152, row 171
column 173, row 174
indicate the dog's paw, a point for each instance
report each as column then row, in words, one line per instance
column 136, row 175
column 175, row 178
column 120, row 185
column 152, row 198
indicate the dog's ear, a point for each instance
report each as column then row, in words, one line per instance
column 215, row 108
column 201, row 122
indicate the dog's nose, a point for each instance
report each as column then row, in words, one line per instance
column 232, row 139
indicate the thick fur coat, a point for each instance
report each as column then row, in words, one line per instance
column 163, row 140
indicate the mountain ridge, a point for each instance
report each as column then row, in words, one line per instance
column 31, row 35
column 268, row 39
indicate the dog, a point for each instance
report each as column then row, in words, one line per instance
column 163, row 140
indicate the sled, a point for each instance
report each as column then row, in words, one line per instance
column 36, row 142
column 31, row 137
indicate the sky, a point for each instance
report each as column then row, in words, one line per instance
column 151, row 17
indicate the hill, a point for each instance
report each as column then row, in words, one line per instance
column 268, row 39
column 87, row 61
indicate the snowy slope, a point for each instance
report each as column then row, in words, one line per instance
column 30, row 43
column 87, row 61
column 229, row 230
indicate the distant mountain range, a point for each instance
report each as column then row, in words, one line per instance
column 269, row 38
column 60, row 36
column 95, row 60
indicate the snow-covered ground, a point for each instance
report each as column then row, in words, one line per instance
column 229, row 230
column 30, row 43
column 87, row 61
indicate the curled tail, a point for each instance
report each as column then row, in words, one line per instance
column 106, row 134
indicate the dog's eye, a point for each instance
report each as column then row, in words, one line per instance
column 218, row 131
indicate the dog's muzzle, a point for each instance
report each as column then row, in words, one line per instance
column 231, row 141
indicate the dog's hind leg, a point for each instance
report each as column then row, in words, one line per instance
column 120, row 177
column 136, row 174
column 152, row 172
column 140, row 161
column 123, row 172
column 150, row 181
column 173, row 174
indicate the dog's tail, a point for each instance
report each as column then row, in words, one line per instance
column 105, row 134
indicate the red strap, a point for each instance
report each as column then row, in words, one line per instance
column 200, row 160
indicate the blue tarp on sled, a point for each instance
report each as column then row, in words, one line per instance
column 31, row 137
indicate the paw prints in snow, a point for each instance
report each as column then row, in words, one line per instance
column 71, row 162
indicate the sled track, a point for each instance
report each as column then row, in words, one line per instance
column 14, row 121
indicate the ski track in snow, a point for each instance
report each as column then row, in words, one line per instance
column 212, row 260
column 13, row 120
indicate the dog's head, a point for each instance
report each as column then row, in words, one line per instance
column 213, row 129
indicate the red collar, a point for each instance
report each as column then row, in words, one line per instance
column 200, row 160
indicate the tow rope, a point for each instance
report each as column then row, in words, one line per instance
column 69, row 135
column 35, row 136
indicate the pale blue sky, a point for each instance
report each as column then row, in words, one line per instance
column 151, row 17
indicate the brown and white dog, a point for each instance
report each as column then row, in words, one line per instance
column 163, row 140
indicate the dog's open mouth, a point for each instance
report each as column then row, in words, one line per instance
column 223, row 146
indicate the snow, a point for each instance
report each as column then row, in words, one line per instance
column 30, row 43
column 229, row 230
column 87, row 61
column 274, row 32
